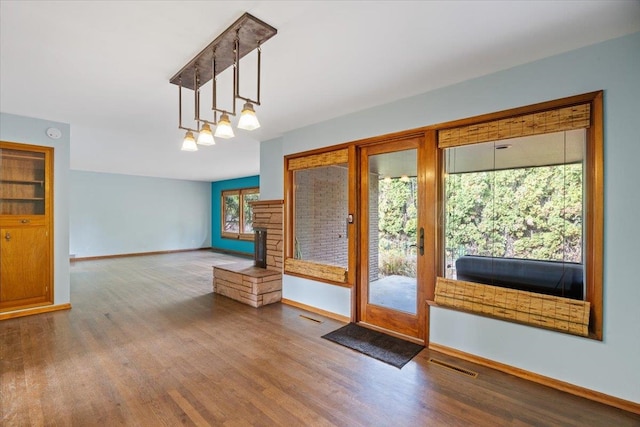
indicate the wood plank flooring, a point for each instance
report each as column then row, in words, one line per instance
column 147, row 343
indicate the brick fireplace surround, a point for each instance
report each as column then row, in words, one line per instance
column 243, row 281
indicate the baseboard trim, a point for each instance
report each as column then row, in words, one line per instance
column 596, row 396
column 315, row 310
column 93, row 258
column 34, row 310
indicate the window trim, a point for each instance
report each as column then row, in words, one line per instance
column 327, row 156
column 594, row 197
column 240, row 192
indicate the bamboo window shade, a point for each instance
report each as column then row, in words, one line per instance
column 561, row 119
column 322, row 271
column 318, row 160
column 562, row 314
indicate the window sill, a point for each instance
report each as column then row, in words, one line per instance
column 246, row 238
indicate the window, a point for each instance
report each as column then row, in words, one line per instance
column 514, row 213
column 318, row 245
column 237, row 215
column 521, row 210
column 322, row 205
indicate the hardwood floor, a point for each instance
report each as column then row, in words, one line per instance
column 147, row 343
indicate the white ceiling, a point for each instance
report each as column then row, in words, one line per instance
column 104, row 66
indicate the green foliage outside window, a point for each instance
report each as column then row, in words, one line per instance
column 533, row 213
column 397, row 225
column 232, row 213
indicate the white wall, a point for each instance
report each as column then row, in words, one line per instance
column 114, row 214
column 610, row 366
column 271, row 169
column 29, row 130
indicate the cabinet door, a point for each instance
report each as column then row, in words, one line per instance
column 24, row 266
column 23, row 181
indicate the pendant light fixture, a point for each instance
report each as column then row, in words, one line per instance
column 248, row 119
column 205, row 137
column 189, row 142
column 241, row 38
column 224, row 129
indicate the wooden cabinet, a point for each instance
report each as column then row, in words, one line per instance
column 26, row 243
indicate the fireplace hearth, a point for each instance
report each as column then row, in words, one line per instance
column 257, row 283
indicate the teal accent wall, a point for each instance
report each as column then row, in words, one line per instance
column 217, row 241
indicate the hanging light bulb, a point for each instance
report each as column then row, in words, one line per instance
column 248, row 119
column 205, row 137
column 224, row 130
column 189, row 142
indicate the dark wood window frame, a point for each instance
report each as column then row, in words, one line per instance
column 240, row 192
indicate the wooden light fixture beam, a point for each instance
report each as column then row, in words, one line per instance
column 251, row 33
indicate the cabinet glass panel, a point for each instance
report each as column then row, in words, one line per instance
column 22, row 182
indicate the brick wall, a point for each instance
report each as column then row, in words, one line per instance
column 321, row 209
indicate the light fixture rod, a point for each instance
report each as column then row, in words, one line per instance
column 196, row 111
column 180, row 108
column 214, row 83
column 236, row 66
column 237, row 94
column 214, row 91
column 236, row 56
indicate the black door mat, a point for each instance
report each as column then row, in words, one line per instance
column 388, row 349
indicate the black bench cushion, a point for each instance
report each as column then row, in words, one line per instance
column 545, row 277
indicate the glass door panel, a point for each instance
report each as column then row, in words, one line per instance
column 393, row 219
column 22, row 182
column 389, row 287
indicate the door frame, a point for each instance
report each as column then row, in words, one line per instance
column 407, row 326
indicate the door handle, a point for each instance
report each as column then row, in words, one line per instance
column 421, row 242
column 7, row 236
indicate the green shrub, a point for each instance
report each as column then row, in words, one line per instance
column 397, row 263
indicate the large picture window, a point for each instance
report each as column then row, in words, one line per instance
column 237, row 215
column 515, row 214
column 521, row 215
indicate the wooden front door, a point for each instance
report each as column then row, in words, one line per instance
column 391, row 283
